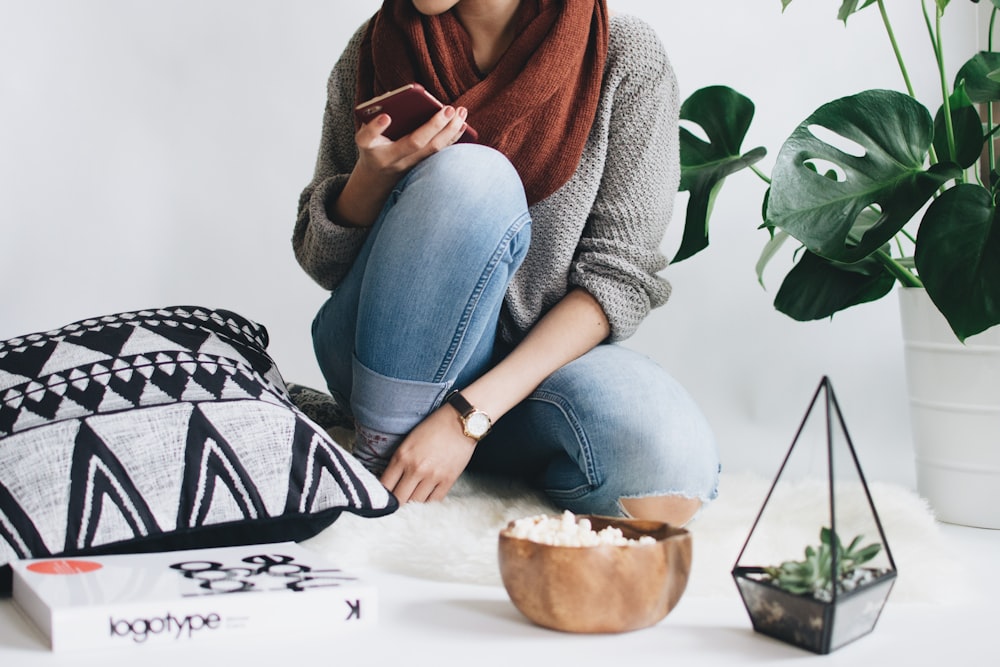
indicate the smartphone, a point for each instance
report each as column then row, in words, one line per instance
column 409, row 106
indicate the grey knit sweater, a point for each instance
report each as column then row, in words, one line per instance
column 601, row 230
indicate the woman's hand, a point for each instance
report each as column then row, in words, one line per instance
column 430, row 459
column 381, row 162
column 381, row 155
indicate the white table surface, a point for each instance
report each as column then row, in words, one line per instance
column 424, row 622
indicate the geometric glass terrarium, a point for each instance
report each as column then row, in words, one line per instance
column 832, row 588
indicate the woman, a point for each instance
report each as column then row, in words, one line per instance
column 507, row 270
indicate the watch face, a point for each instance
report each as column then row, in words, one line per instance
column 477, row 424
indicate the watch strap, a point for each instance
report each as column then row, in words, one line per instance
column 460, row 403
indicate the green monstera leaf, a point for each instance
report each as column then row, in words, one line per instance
column 958, row 258
column 724, row 115
column 883, row 137
column 975, row 76
column 816, row 288
column 967, row 130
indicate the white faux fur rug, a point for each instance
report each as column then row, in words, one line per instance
column 456, row 539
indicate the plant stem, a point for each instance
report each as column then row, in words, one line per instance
column 895, row 48
column 906, row 277
column 936, row 38
column 989, row 34
column 991, row 147
column 899, row 244
column 899, row 57
column 764, row 177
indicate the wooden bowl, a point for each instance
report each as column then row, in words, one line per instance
column 599, row 589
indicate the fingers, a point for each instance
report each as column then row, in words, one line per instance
column 424, row 491
column 413, row 488
column 442, row 129
column 429, row 460
column 416, row 476
column 439, row 492
column 410, row 484
column 456, row 123
column 370, row 133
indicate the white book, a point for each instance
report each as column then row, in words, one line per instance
column 201, row 595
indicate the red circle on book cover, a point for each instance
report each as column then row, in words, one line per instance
column 64, row 566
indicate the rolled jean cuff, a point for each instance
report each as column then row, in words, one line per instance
column 391, row 405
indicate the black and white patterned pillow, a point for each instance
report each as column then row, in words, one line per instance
column 161, row 429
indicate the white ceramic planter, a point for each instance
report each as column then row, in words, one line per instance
column 955, row 413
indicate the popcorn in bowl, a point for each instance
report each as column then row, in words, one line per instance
column 569, row 530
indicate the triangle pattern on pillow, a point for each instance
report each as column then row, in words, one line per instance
column 314, row 463
column 20, row 360
column 18, row 529
column 127, row 382
column 99, row 484
column 67, row 355
column 107, row 339
column 209, row 460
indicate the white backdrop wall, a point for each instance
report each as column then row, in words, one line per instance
column 152, row 153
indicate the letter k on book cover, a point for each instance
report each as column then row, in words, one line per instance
column 200, row 595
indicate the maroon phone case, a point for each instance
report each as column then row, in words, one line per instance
column 409, row 107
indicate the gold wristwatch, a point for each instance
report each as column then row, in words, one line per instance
column 475, row 423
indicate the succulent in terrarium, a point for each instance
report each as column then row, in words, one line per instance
column 816, row 573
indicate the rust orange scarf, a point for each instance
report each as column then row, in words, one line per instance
column 536, row 106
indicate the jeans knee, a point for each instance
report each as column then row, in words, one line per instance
column 667, row 449
column 472, row 165
column 465, row 203
column 467, row 176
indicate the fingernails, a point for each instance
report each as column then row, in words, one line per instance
column 449, row 112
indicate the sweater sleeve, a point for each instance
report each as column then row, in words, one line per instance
column 618, row 257
column 323, row 248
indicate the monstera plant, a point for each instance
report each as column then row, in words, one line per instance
column 853, row 182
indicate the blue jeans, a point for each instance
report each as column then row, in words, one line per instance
column 417, row 315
